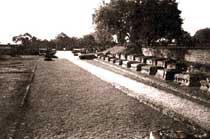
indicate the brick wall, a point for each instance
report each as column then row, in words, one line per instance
column 192, row 55
column 166, row 53
column 198, row 56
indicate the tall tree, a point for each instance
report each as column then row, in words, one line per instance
column 73, row 42
column 148, row 30
column 88, row 42
column 135, row 21
column 112, row 17
column 186, row 40
column 24, row 39
column 160, row 20
column 168, row 20
column 27, row 42
column 103, row 37
column 62, row 41
column 143, row 21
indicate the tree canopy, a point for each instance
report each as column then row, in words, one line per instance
column 30, row 44
column 203, row 36
column 112, row 18
column 24, row 39
column 140, row 21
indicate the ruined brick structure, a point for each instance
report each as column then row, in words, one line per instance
column 199, row 55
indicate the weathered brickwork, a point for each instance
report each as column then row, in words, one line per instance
column 198, row 56
column 192, row 55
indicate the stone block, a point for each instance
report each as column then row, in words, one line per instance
column 181, row 66
column 142, row 59
column 123, row 57
column 153, row 61
column 150, row 69
column 118, row 55
column 136, row 66
column 166, row 63
column 99, row 54
column 150, row 61
column 129, row 63
column 204, row 85
column 147, row 59
column 102, row 57
column 87, row 56
column 119, row 61
column 130, row 57
column 112, row 60
column 108, row 58
column 171, row 66
column 166, row 74
column 138, row 58
column 124, row 63
column 189, row 79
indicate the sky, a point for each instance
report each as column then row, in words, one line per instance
column 47, row 18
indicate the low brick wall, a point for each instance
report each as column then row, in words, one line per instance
column 191, row 55
column 198, row 56
column 166, row 53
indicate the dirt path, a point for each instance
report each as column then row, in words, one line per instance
column 68, row 102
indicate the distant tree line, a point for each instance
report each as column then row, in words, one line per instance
column 29, row 44
column 92, row 42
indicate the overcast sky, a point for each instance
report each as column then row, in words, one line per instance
column 47, row 18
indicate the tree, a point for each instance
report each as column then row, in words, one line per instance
column 140, row 21
column 135, row 21
column 186, row 40
column 112, row 17
column 73, row 42
column 24, row 39
column 168, row 20
column 29, row 43
column 88, row 42
column 203, row 36
column 62, row 41
column 160, row 20
column 103, row 38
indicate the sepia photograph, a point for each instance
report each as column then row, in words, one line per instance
column 105, row 69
